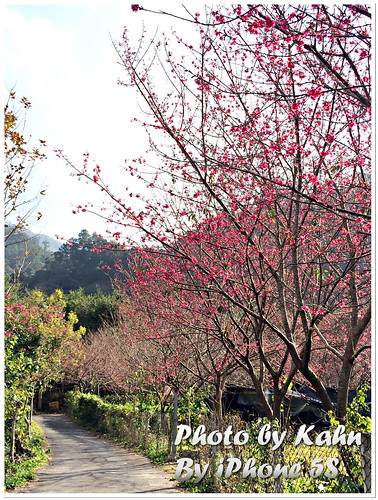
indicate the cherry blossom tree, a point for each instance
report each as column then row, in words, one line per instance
column 261, row 132
column 182, row 323
column 101, row 364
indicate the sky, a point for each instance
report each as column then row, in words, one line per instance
column 60, row 56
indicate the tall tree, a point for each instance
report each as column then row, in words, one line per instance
column 183, row 324
column 87, row 261
column 21, row 159
column 38, row 339
column 264, row 175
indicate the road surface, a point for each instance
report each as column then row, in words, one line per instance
column 81, row 462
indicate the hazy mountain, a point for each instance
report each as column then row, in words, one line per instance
column 52, row 243
column 26, row 235
column 26, row 252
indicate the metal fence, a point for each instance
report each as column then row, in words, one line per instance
column 239, row 457
column 260, row 466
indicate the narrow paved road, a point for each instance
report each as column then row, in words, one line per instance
column 84, row 463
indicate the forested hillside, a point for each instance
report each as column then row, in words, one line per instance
column 88, row 262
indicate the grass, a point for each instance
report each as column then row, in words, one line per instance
column 303, row 455
column 23, row 469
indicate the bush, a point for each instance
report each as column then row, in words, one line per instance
column 37, row 341
column 20, row 472
column 94, row 413
column 93, row 310
column 127, row 423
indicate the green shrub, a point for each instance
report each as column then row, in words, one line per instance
column 93, row 310
column 23, row 470
column 127, row 423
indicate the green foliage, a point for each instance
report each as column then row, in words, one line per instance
column 354, row 419
column 126, row 423
column 204, row 486
column 156, row 455
column 305, row 484
column 18, row 473
column 191, row 407
column 92, row 411
column 92, row 310
column 146, row 401
column 88, row 262
column 116, row 398
column 37, row 338
column 309, row 485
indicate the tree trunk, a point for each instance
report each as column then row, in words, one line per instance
column 28, row 416
column 348, row 363
column 343, row 387
column 319, row 388
column 39, row 403
column 147, row 428
column 218, row 410
column 277, row 459
column 13, row 435
column 174, row 425
column 259, row 390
